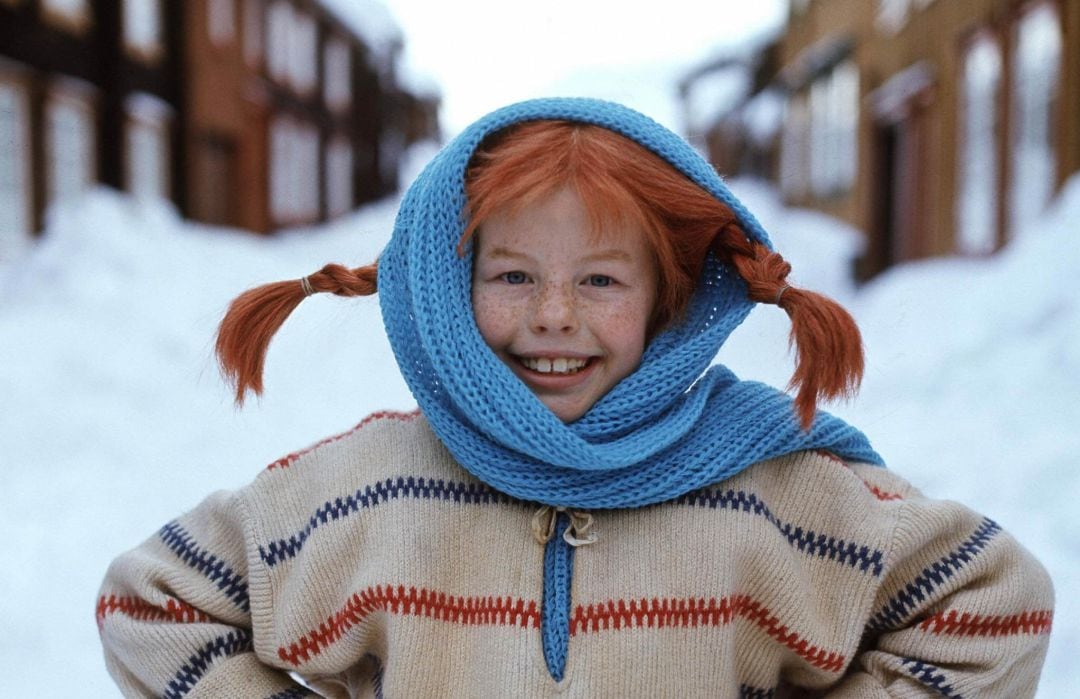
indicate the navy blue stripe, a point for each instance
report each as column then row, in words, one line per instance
column 372, row 495
column 930, row 676
column 235, row 642
column 183, row 545
column 748, row 692
column 292, row 693
column 377, row 676
column 896, row 611
column 866, row 559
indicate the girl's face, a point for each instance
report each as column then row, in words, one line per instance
column 566, row 309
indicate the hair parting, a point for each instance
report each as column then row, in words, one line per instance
column 253, row 317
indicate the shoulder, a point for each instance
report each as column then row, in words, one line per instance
column 373, row 456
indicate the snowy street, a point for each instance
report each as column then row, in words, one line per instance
column 115, row 419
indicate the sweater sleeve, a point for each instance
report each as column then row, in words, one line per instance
column 963, row 610
column 174, row 614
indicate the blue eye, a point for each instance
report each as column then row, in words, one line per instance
column 600, row 280
column 514, row 277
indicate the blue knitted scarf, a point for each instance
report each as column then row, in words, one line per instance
column 674, row 425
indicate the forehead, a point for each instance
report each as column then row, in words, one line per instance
column 561, row 223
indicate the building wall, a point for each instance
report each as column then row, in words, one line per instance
column 910, row 112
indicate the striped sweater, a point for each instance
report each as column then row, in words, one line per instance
column 373, row 565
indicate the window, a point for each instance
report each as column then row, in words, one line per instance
column 794, row 146
column 253, row 31
column 337, row 75
column 1036, row 70
column 304, row 52
column 834, row 115
column 977, row 192
column 892, row 15
column 70, row 14
column 70, row 145
column 142, row 28
column 16, row 211
column 339, row 180
column 279, row 20
column 147, row 147
column 221, row 21
column 294, row 171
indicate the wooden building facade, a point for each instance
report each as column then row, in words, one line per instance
column 938, row 127
column 250, row 113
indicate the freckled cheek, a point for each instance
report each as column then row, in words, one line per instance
column 495, row 319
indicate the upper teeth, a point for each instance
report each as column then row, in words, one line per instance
column 561, row 365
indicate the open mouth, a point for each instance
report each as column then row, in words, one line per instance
column 562, row 366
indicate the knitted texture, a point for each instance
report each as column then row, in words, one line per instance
column 672, row 426
column 408, row 577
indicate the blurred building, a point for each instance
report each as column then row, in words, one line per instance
column 250, row 113
column 936, row 126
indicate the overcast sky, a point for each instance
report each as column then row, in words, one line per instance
column 487, row 53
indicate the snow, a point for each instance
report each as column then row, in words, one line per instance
column 116, row 420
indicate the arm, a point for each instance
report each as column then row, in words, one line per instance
column 175, row 616
column 963, row 610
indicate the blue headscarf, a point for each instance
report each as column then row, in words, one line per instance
column 674, row 425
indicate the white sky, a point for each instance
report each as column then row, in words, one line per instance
column 488, row 53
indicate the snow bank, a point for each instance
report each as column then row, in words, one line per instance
column 116, row 420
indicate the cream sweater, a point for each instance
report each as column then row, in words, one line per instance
column 372, row 564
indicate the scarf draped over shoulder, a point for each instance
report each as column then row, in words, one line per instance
column 675, row 425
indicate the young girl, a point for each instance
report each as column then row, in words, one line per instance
column 581, row 504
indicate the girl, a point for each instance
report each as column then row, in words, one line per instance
column 581, row 504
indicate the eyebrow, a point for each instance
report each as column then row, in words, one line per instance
column 603, row 255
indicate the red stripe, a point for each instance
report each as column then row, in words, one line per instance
column 290, row 459
column 173, row 611
column 877, row 492
column 955, row 623
column 691, row 612
column 501, row 611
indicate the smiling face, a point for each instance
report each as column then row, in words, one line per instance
column 565, row 308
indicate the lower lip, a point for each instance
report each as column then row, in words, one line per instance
column 552, row 381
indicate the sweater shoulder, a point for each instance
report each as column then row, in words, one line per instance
column 384, row 450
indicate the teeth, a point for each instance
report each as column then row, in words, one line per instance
column 560, row 365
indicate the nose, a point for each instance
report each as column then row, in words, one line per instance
column 554, row 310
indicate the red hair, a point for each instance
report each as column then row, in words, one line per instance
column 619, row 182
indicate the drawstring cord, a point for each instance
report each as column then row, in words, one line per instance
column 577, row 534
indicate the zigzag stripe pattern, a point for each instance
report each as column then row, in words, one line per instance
column 377, row 676
column 233, row 643
column 289, row 459
column 501, row 611
column 955, row 623
column 897, row 609
column 806, row 540
column 691, row 612
column 874, row 490
column 748, row 692
column 173, row 611
column 292, row 693
column 184, row 546
column 931, row 676
column 381, row 492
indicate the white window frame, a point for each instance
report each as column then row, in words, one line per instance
column 977, row 194
column 337, row 74
column 221, row 21
column 68, row 94
column 143, row 29
column 16, row 222
column 147, row 117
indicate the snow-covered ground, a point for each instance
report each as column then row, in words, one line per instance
column 115, row 420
